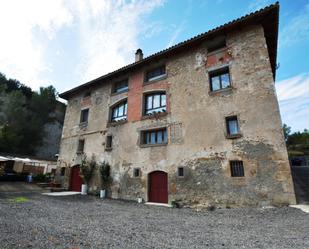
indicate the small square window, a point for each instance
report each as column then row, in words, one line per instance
column 136, row 172
column 62, row 171
column 84, row 115
column 180, row 172
column 237, row 168
column 120, row 86
column 219, row 79
column 155, row 73
column 232, row 126
column 217, row 45
column 87, row 94
column 81, row 145
column 109, row 142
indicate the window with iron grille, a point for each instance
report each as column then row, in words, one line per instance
column 84, row 115
column 119, row 112
column 155, row 102
column 155, row 73
column 136, row 172
column 120, row 86
column 151, row 137
column 219, row 79
column 232, row 125
column 81, row 145
column 109, row 142
column 237, row 168
column 180, row 172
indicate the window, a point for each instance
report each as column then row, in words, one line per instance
column 87, row 94
column 151, row 137
column 81, row 145
column 180, row 172
column 84, row 115
column 109, row 142
column 136, row 172
column 119, row 112
column 156, row 73
column 216, row 46
column 237, row 169
column 155, row 103
column 120, row 86
column 232, row 126
column 62, row 171
column 219, row 79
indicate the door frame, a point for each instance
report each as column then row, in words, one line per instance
column 71, row 178
column 148, row 185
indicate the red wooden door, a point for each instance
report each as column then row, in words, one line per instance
column 158, row 187
column 76, row 180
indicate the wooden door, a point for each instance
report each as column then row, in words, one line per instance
column 76, row 180
column 158, row 190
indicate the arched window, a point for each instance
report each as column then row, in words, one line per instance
column 119, row 112
column 155, row 103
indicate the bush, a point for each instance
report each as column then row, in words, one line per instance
column 105, row 174
column 87, row 169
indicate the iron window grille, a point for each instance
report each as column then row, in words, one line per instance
column 219, row 79
column 152, row 137
column 155, row 73
column 155, row 103
column 119, row 112
column 237, row 169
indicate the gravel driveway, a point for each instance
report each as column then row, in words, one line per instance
column 88, row 222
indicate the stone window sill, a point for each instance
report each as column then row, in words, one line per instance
column 116, row 93
column 233, row 136
column 154, row 115
column 155, row 80
column 152, row 145
column 83, row 125
column 224, row 90
column 115, row 123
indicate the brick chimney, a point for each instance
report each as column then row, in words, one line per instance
column 138, row 55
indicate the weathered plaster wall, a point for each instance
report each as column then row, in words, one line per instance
column 196, row 128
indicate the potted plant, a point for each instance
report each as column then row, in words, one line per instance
column 87, row 169
column 105, row 178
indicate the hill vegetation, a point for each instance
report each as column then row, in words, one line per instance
column 23, row 114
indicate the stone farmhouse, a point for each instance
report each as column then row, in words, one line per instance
column 197, row 123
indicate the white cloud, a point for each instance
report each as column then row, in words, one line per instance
column 258, row 4
column 293, row 96
column 297, row 29
column 21, row 53
column 175, row 34
column 107, row 35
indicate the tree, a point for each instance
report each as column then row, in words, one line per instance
column 297, row 142
column 286, row 131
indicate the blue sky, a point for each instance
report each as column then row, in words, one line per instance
column 69, row 42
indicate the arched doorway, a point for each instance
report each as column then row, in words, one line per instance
column 158, row 187
column 75, row 180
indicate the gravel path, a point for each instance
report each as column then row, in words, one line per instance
column 78, row 222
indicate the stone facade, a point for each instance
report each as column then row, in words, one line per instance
column 195, row 121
